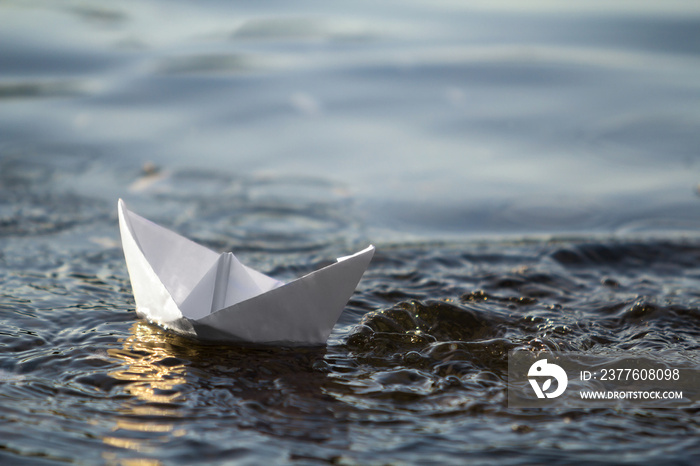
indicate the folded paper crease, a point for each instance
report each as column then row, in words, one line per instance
column 189, row 288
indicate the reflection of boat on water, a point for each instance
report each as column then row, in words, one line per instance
column 191, row 289
column 169, row 392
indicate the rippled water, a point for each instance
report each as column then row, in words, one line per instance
column 528, row 175
column 415, row 370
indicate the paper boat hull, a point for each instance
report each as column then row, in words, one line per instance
column 177, row 284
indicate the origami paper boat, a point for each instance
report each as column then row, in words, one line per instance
column 191, row 289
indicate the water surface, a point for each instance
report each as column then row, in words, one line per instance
column 528, row 175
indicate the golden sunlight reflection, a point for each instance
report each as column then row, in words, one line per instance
column 154, row 377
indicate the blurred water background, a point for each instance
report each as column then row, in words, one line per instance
column 528, row 171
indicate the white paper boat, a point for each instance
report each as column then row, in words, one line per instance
column 191, row 289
